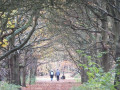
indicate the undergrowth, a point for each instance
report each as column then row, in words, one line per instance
column 97, row 78
column 5, row 86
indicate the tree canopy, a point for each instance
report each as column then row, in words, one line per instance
column 86, row 30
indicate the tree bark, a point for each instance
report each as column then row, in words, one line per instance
column 117, row 73
column 105, row 59
column 84, row 76
column 14, row 70
column 24, row 77
column 24, row 73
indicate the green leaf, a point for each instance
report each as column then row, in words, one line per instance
column 79, row 51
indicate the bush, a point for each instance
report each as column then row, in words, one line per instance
column 102, row 82
column 98, row 79
column 5, row 86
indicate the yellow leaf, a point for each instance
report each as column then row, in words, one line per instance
column 5, row 40
column 3, row 16
column 41, row 30
column 9, row 22
column 12, row 26
column 0, row 31
column 0, row 42
column 3, row 45
column 14, row 12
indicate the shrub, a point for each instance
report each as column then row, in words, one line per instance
column 5, row 86
column 98, row 79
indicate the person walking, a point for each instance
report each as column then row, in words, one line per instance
column 57, row 74
column 51, row 75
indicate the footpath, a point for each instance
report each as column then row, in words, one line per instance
column 44, row 83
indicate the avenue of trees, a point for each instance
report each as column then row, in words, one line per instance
column 87, row 30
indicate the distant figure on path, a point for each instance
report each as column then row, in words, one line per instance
column 57, row 74
column 63, row 76
column 51, row 75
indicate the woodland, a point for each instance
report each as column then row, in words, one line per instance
column 87, row 32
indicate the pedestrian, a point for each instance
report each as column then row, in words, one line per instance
column 51, row 75
column 57, row 74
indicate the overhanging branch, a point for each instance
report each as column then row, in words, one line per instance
column 21, row 45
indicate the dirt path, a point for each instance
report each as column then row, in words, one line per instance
column 53, row 85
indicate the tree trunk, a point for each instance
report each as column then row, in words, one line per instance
column 84, row 76
column 105, row 60
column 117, row 73
column 24, row 73
column 116, row 31
column 14, row 69
column 24, row 77
column 30, row 79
